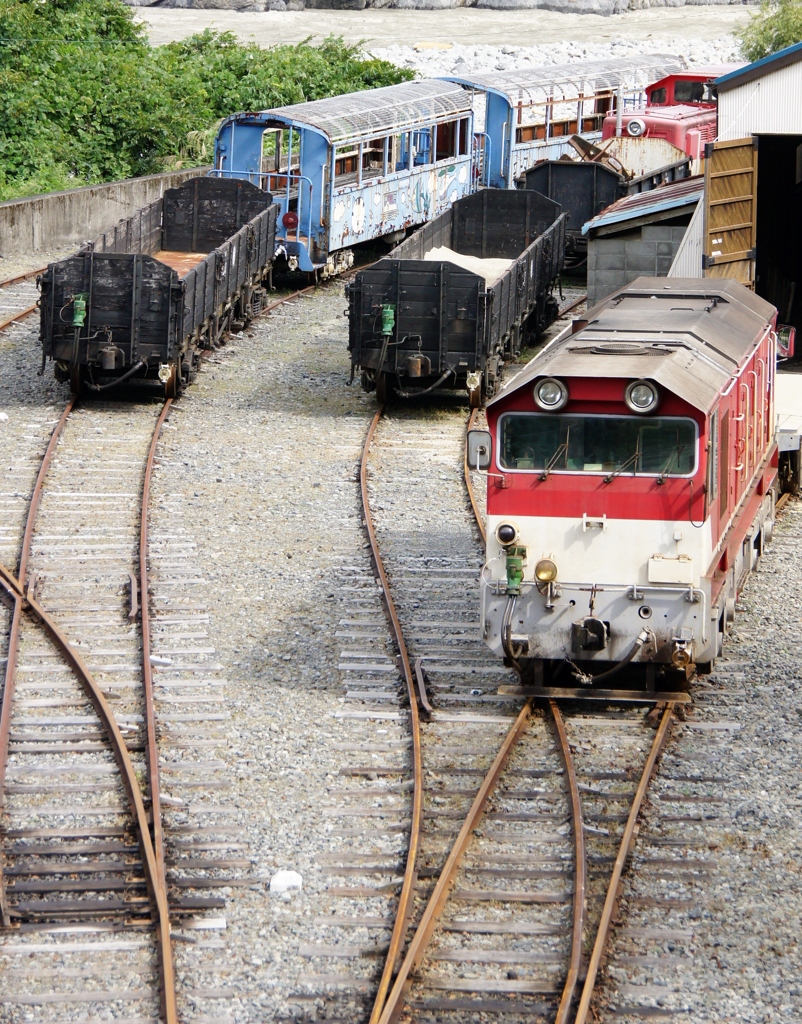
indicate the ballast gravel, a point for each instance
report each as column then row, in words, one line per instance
column 263, row 453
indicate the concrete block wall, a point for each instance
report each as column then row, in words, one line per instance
column 615, row 260
column 69, row 218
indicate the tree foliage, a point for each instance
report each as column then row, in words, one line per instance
column 779, row 24
column 84, row 98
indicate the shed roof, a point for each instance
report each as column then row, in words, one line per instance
column 774, row 61
column 688, row 334
column 377, row 111
column 562, row 82
column 686, row 192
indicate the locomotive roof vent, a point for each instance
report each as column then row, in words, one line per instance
column 641, row 396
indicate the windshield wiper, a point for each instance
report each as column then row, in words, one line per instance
column 561, row 450
column 630, row 461
column 678, row 450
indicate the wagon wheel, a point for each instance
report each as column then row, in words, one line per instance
column 172, row 384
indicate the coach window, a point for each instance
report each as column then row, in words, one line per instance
column 373, row 158
column 422, row 147
column 400, row 152
column 346, row 161
column 276, row 147
column 447, row 140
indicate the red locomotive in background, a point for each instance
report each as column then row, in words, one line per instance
column 632, row 480
column 680, row 108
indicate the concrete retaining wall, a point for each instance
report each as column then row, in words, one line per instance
column 69, row 218
column 615, row 260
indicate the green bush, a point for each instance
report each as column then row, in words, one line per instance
column 779, row 24
column 84, row 98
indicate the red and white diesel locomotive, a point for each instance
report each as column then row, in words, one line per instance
column 680, row 108
column 632, row 472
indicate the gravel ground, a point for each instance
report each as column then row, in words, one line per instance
column 269, row 439
column 21, row 263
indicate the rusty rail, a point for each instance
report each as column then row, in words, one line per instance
column 618, row 868
column 168, row 998
column 9, row 320
column 466, row 471
column 151, row 848
column 439, row 897
column 156, row 889
column 13, row 638
column 19, row 278
column 580, row 867
column 410, row 872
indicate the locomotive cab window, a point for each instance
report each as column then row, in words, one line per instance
column 660, row 446
column 693, row 92
column 658, row 96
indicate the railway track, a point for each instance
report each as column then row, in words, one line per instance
column 117, row 851
column 18, row 297
column 78, row 750
column 519, row 820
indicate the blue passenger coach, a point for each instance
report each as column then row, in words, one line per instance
column 532, row 113
column 351, row 168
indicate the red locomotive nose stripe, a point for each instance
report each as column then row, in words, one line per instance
column 570, row 496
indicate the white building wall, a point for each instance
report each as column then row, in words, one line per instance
column 688, row 261
column 769, row 105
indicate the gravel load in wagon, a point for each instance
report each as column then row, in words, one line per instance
column 454, row 301
column 143, row 299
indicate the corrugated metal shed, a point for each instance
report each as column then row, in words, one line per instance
column 647, row 204
column 688, row 261
column 668, row 331
column 376, row 112
column 764, row 98
column 560, row 83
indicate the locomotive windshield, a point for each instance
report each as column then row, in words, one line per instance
column 659, row 446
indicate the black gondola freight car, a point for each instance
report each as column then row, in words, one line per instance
column 452, row 303
column 585, row 188
column 146, row 297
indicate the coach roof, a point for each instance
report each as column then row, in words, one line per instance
column 688, row 334
column 563, row 82
column 374, row 112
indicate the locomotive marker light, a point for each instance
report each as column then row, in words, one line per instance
column 546, row 571
column 545, row 575
column 641, row 397
column 506, row 534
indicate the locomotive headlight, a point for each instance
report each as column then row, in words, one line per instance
column 546, row 571
column 636, row 128
column 551, row 394
column 506, row 534
column 641, row 396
